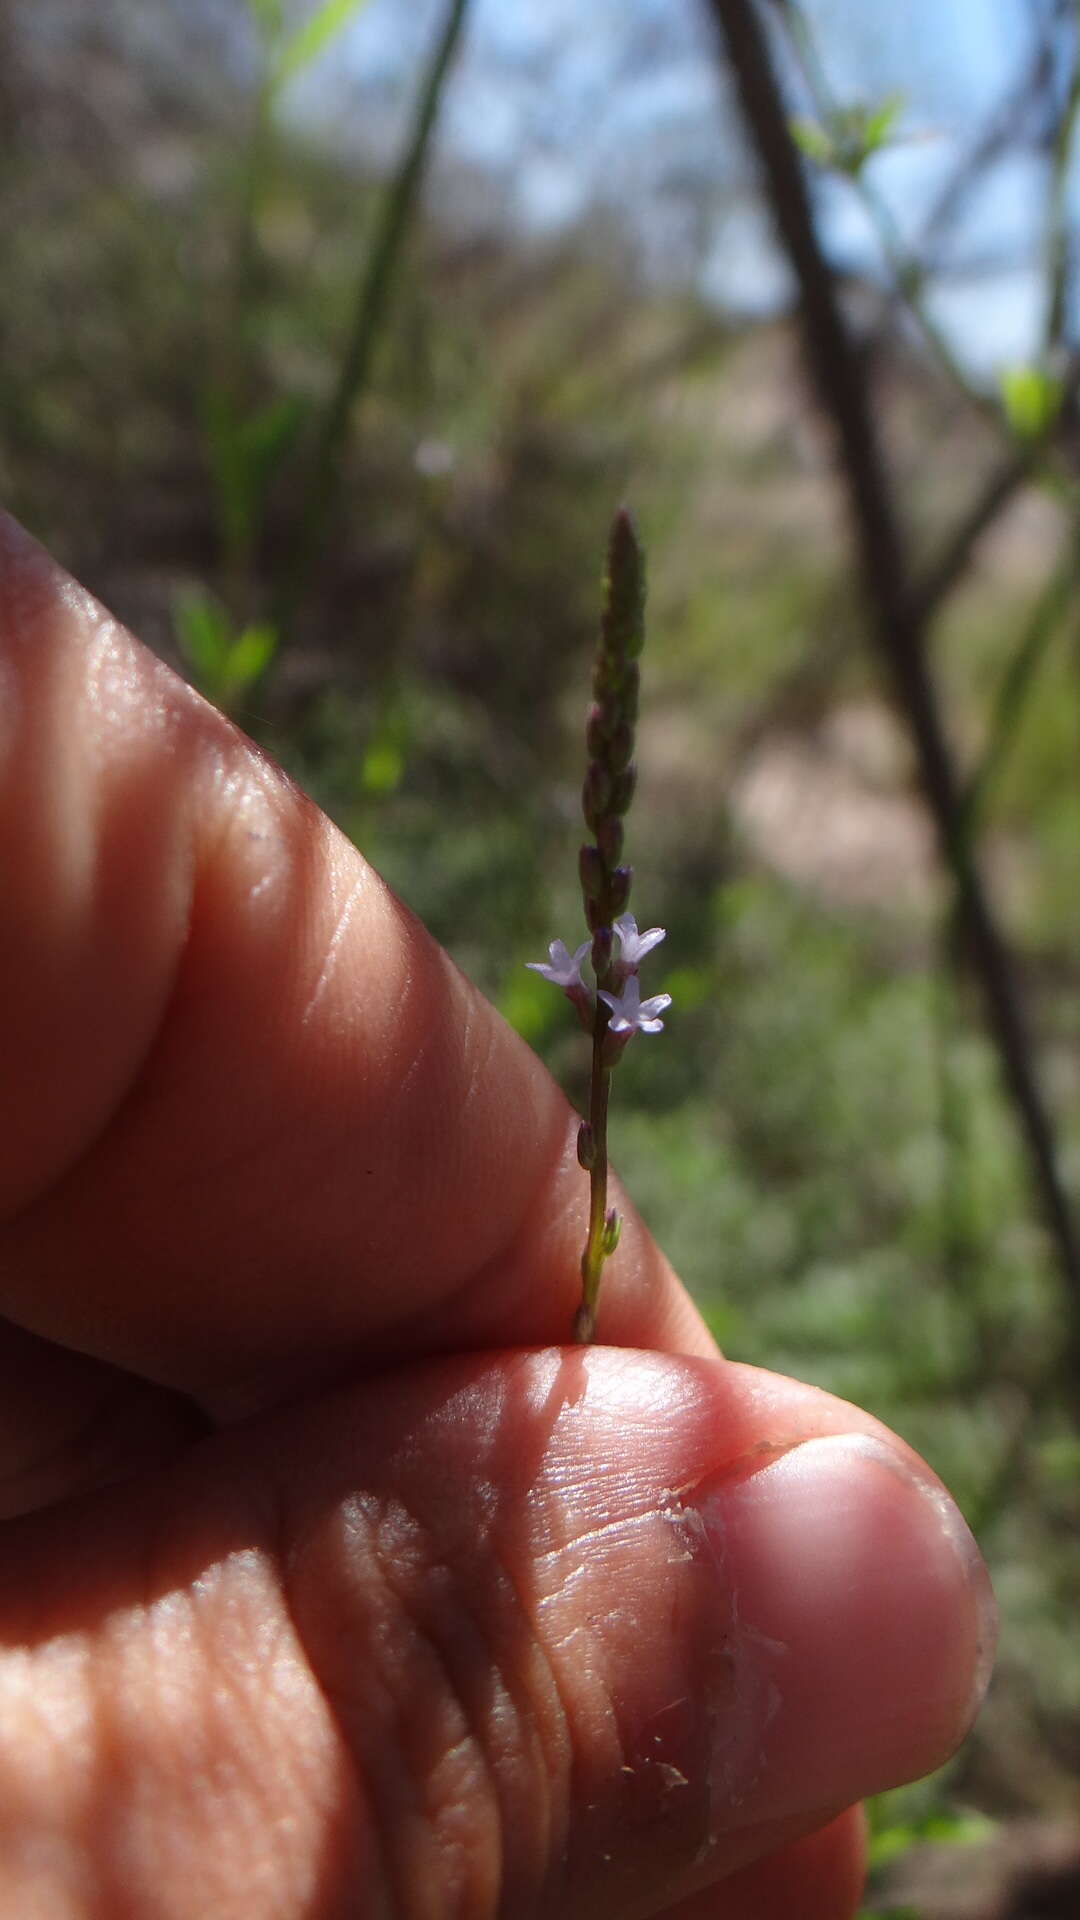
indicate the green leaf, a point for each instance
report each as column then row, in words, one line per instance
column 1031, row 398
column 248, row 657
column 222, row 664
column 611, row 1234
column 202, row 634
column 243, row 454
column 382, row 767
column 849, row 136
column 880, row 121
column 813, row 141
column 305, row 45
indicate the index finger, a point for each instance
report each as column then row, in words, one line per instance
column 256, row 1122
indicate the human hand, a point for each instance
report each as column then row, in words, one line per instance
column 335, row 1587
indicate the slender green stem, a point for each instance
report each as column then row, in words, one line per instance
column 370, row 309
column 592, row 1259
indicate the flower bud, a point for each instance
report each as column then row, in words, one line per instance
column 619, row 888
column 622, row 789
column 620, row 748
column 586, row 1150
column 609, row 839
column 591, row 870
column 596, row 732
column 595, row 794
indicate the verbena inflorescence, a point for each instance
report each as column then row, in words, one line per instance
column 612, row 1010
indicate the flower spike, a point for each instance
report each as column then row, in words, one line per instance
column 615, row 1011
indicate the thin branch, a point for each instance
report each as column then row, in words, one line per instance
column 905, row 273
column 948, row 569
column 839, row 376
column 1057, row 244
column 370, row 308
column 1025, row 461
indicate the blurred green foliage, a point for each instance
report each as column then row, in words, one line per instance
column 820, row 1141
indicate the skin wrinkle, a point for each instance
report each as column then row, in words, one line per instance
column 358, row 887
column 183, row 877
column 363, row 1733
column 477, row 1868
column 440, row 1633
column 212, row 1614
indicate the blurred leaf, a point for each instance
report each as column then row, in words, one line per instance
column 243, row 455
column 249, row 656
column 305, row 45
column 880, row 121
column 849, row 136
column 1059, row 1459
column 382, row 767
column 202, row 633
column 223, row 666
column 690, row 987
column 529, row 1005
column 940, row 1826
column 1031, row 398
column 813, row 141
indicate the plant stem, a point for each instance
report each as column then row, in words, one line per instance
column 370, row 309
column 839, row 375
column 592, row 1259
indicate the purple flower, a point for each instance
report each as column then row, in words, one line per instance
column 630, row 1013
column 633, row 946
column 562, row 967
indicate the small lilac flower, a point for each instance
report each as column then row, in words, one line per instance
column 633, row 946
column 630, row 1013
column 562, row 967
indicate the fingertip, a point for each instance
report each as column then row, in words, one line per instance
column 820, row 1876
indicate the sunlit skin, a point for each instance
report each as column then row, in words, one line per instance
column 332, row 1582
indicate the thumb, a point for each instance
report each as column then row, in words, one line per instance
column 555, row 1633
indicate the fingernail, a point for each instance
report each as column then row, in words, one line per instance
column 858, row 1628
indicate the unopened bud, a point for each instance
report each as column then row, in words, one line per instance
column 619, row 888
column 622, row 789
column 595, row 794
column 603, row 942
column 620, row 748
column 592, row 872
column 586, row 1151
column 596, row 732
column 609, row 839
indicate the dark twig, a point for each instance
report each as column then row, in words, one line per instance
column 948, row 567
column 838, row 374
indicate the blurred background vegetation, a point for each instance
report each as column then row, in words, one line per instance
column 330, row 337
